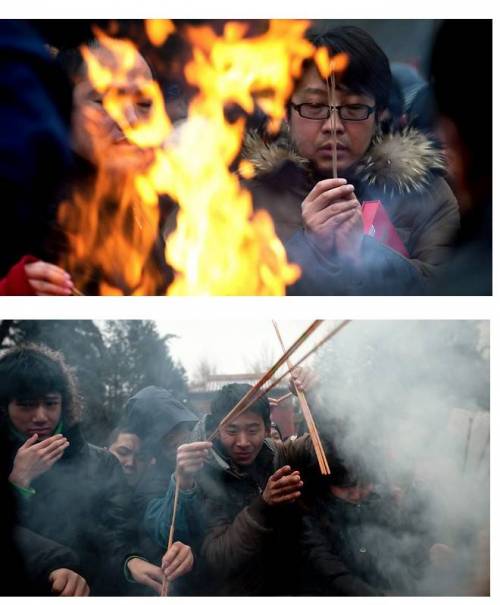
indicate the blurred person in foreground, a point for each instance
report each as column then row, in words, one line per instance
column 465, row 130
column 34, row 155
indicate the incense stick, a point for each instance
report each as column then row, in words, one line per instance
column 483, row 452
column 467, row 443
column 311, row 425
column 164, row 586
column 320, row 343
column 332, row 101
column 289, row 371
column 249, row 398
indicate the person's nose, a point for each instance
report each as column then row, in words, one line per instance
column 242, row 440
column 40, row 415
column 333, row 121
column 127, row 461
column 131, row 114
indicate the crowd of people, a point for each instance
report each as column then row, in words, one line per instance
column 400, row 140
column 199, row 506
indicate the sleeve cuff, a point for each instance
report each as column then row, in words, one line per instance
column 126, row 572
column 25, row 492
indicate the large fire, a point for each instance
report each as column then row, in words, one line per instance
column 220, row 245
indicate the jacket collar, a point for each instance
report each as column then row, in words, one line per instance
column 395, row 163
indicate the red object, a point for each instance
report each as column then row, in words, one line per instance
column 16, row 283
column 377, row 224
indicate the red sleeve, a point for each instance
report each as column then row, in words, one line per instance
column 16, row 283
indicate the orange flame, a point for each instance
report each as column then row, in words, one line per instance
column 326, row 64
column 158, row 30
column 220, row 246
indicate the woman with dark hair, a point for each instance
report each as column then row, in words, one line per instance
column 67, row 490
column 101, row 203
column 319, row 217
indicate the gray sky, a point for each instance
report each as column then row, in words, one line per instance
column 232, row 346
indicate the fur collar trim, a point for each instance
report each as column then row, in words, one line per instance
column 395, row 163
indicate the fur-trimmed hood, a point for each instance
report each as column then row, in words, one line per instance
column 395, row 163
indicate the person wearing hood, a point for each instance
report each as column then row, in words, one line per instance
column 318, row 217
column 67, row 490
column 159, row 422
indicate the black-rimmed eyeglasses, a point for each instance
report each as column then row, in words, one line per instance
column 355, row 112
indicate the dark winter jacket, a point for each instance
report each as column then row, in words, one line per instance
column 360, row 549
column 403, row 172
column 81, row 504
column 41, row 557
column 251, row 548
column 35, row 109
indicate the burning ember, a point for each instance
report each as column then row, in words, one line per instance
column 220, row 246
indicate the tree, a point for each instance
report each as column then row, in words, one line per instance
column 204, row 369
column 138, row 356
column 111, row 362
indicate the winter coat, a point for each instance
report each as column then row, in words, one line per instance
column 36, row 102
column 251, row 548
column 401, row 170
column 81, row 504
column 361, row 549
column 41, row 557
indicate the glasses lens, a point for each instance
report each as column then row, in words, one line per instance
column 354, row 112
column 314, row 111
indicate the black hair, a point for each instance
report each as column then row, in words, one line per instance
column 225, row 400
column 32, row 371
column 277, row 429
column 118, row 430
column 368, row 70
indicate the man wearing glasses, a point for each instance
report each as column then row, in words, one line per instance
column 318, row 217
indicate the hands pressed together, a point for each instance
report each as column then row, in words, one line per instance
column 177, row 561
column 283, row 486
column 332, row 218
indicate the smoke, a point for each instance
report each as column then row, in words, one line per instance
column 408, row 402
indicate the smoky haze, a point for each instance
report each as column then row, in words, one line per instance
column 413, row 398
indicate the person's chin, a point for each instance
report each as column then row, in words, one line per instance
column 244, row 460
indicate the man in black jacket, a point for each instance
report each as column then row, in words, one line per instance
column 67, row 490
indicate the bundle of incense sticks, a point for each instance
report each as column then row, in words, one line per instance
column 320, row 343
column 164, row 586
column 311, row 425
column 254, row 393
